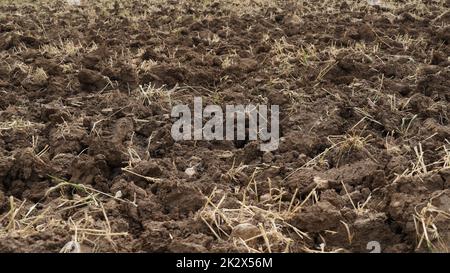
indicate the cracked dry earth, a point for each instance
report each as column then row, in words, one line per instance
column 87, row 162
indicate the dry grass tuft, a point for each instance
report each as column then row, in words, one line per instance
column 429, row 222
column 79, row 210
column 265, row 218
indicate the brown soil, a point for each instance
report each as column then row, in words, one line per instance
column 86, row 153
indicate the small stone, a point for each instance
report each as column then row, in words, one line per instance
column 226, row 154
column 107, row 110
column 265, row 197
column 245, row 231
column 71, row 247
column 118, row 194
column 190, row 171
column 321, row 183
